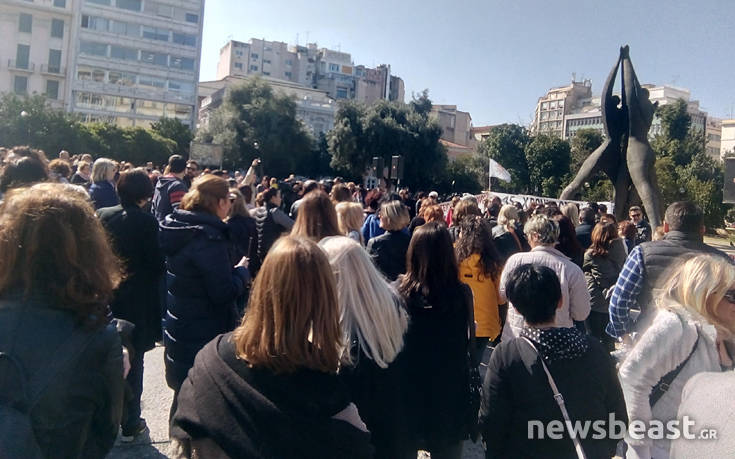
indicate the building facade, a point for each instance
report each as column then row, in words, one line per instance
column 551, row 109
column 36, row 50
column 727, row 140
column 324, row 69
column 316, row 109
column 127, row 62
column 456, row 129
column 714, row 138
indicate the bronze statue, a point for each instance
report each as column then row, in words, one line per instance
column 625, row 156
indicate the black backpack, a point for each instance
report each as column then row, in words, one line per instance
column 20, row 393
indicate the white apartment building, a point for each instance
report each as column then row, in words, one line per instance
column 127, row 62
column 324, row 69
column 552, row 108
column 727, row 142
column 714, row 138
column 35, row 53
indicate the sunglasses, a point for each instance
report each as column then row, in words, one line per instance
column 635, row 215
column 729, row 296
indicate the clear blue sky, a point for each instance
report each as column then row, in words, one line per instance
column 495, row 58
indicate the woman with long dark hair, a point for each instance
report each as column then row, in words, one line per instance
column 601, row 272
column 480, row 266
column 436, row 344
column 568, row 243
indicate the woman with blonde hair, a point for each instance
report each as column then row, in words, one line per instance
column 270, row 388
column 691, row 333
column 507, row 234
column 388, row 250
column 59, row 354
column 316, row 218
column 571, row 211
column 102, row 192
column 350, row 218
column 203, row 284
column 373, row 326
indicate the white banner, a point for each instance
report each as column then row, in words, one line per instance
column 526, row 199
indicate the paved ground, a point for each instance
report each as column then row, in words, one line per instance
column 156, row 403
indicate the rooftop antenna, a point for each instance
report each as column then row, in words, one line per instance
column 574, row 77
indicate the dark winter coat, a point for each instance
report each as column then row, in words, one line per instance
column 516, row 390
column 601, row 273
column 584, row 234
column 167, row 196
column 244, row 236
column 134, row 235
column 202, row 287
column 227, row 407
column 388, row 252
column 436, row 384
column 270, row 222
column 79, row 412
column 103, row 194
column 506, row 244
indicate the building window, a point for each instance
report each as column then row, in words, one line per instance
column 20, row 85
column 57, row 28
column 25, row 23
column 95, row 23
column 287, row 74
column 131, row 5
column 254, row 56
column 21, row 56
column 182, row 63
column 238, row 65
column 121, row 78
column 254, row 68
column 151, row 82
column 185, row 39
column 341, row 93
column 180, row 86
column 334, row 67
column 155, row 34
column 193, row 18
column 165, row 11
column 54, row 61
column 123, row 53
column 154, row 58
column 289, row 62
column 100, row 2
column 52, row 89
column 266, row 61
column 60, row 3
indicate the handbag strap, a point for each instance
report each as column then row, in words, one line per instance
column 560, row 401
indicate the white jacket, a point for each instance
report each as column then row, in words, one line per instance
column 666, row 344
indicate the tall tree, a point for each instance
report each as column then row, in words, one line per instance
column 548, row 159
column 254, row 121
column 421, row 103
column 385, row 129
column 584, row 142
column 683, row 169
column 506, row 144
column 174, row 129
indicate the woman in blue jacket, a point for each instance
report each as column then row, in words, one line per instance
column 202, row 283
column 102, row 192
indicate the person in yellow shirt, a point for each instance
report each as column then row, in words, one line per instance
column 480, row 266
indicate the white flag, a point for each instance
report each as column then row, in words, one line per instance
column 496, row 170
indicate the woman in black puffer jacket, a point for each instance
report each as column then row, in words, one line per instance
column 202, row 283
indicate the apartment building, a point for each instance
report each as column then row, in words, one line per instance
column 324, row 69
column 36, row 50
column 127, row 62
column 552, row 108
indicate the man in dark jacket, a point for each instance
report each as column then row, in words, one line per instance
column 647, row 265
column 642, row 227
column 134, row 235
column 584, row 229
column 170, row 188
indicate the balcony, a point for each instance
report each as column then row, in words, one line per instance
column 26, row 67
column 53, row 70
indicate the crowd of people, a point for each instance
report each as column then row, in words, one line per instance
column 305, row 318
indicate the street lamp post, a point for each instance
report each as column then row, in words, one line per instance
column 24, row 114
